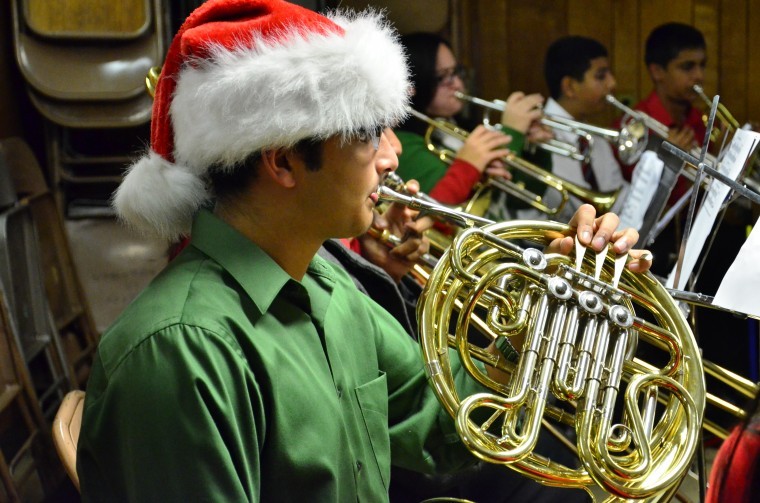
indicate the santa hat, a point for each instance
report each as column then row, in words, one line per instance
column 242, row 75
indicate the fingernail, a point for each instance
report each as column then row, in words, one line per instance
column 586, row 236
column 598, row 243
column 621, row 245
column 634, row 266
column 647, row 256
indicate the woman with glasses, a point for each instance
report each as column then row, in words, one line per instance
column 436, row 77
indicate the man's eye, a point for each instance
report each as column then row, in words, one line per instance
column 369, row 136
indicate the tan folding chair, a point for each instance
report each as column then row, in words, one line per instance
column 66, row 426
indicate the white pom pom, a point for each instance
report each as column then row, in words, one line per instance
column 158, row 197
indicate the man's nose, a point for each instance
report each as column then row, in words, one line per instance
column 611, row 83
column 699, row 74
column 386, row 159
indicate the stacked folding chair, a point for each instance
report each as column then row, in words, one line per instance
column 85, row 62
column 65, row 297
column 30, row 317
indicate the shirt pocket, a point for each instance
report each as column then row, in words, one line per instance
column 373, row 402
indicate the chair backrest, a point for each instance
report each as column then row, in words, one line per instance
column 88, row 19
column 37, row 337
column 26, row 174
column 66, row 426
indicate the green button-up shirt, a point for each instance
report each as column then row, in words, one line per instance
column 227, row 380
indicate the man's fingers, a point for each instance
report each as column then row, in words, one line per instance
column 583, row 222
column 605, row 227
column 641, row 260
column 623, row 240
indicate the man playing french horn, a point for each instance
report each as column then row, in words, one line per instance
column 250, row 369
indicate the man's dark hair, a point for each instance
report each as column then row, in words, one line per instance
column 667, row 40
column 570, row 57
column 229, row 182
column 422, row 52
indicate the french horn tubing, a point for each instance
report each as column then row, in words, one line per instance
column 583, row 321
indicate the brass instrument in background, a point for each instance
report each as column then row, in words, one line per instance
column 630, row 141
column 552, row 145
column 583, row 322
column 602, row 201
column 660, row 130
column 728, row 122
column 151, row 80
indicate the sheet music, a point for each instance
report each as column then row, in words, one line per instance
column 740, row 288
column 643, row 186
column 738, row 152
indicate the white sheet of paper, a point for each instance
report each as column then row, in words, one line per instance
column 740, row 288
column 733, row 162
column 646, row 175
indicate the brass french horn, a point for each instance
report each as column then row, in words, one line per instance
column 583, row 322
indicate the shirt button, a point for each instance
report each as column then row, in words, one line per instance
column 359, row 466
column 340, row 392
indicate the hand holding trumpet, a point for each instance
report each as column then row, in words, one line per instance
column 521, row 111
column 484, row 148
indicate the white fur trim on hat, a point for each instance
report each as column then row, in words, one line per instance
column 273, row 93
column 159, row 197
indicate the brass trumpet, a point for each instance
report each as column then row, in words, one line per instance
column 659, row 129
column 602, row 201
column 630, row 141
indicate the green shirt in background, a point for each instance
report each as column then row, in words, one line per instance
column 417, row 162
column 226, row 380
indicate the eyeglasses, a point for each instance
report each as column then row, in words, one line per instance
column 373, row 135
column 446, row 76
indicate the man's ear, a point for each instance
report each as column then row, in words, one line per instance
column 567, row 86
column 656, row 72
column 278, row 165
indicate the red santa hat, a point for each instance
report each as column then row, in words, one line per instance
column 242, row 75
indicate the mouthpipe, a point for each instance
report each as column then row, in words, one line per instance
column 457, row 217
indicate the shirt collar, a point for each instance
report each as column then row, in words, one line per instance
column 258, row 274
column 553, row 108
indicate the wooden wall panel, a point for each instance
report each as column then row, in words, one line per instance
column 706, row 20
column 753, row 65
column 591, row 18
column 627, row 50
column 733, row 55
column 492, row 48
